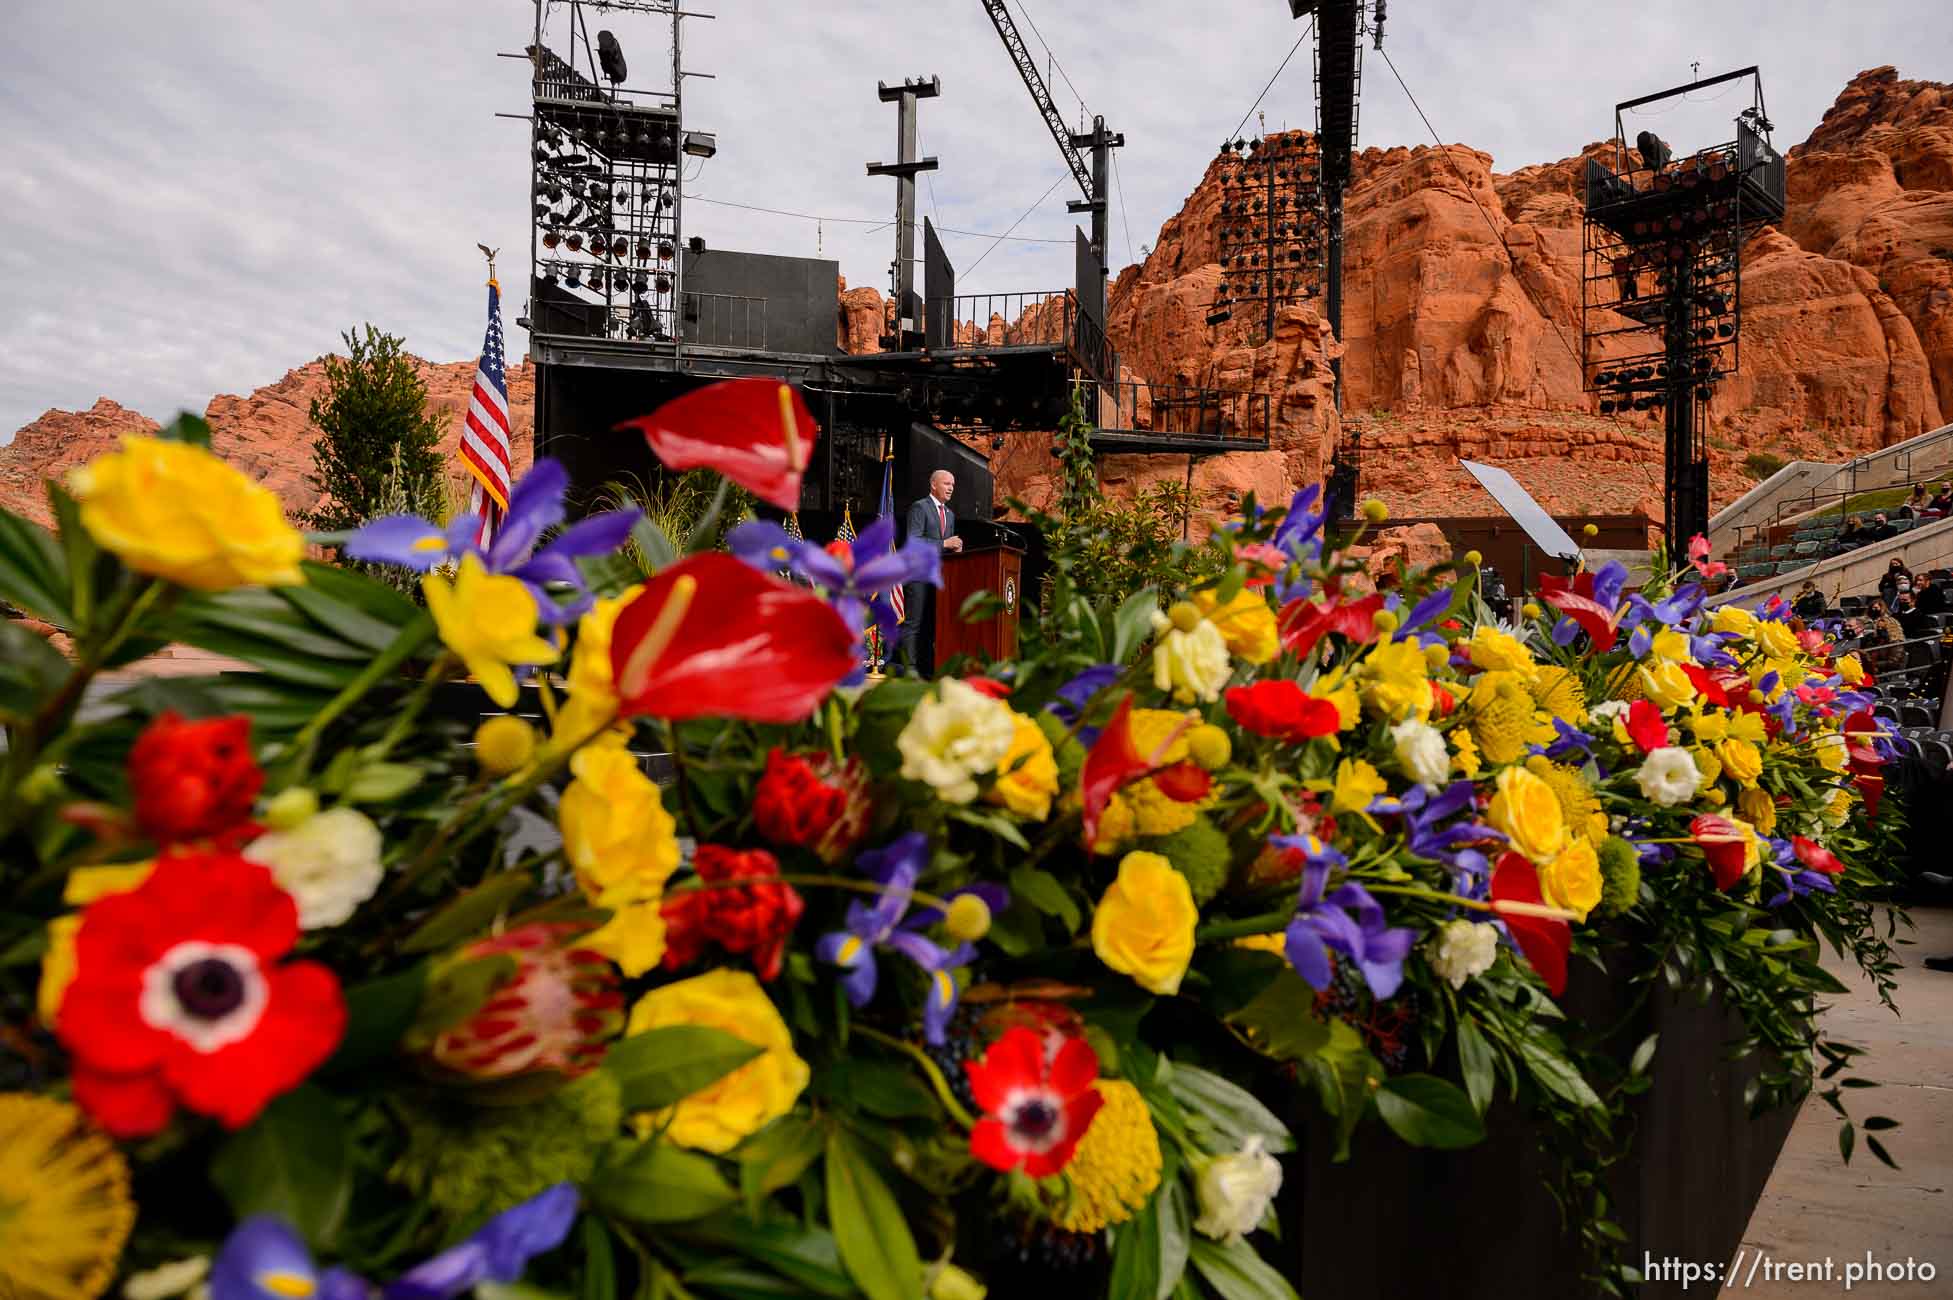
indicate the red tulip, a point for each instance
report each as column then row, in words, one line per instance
column 1544, row 940
column 756, row 432
column 713, row 637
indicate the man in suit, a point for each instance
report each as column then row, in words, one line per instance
column 929, row 518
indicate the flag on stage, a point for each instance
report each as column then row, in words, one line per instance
column 485, row 430
column 887, row 511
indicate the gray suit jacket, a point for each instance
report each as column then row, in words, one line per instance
column 922, row 521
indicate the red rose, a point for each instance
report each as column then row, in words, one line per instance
column 193, row 780
column 808, row 801
column 755, row 917
column 1282, row 710
column 1645, row 726
column 178, row 998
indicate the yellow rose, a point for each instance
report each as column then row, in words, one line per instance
column 1850, row 669
column 1525, row 808
column 1777, row 640
column 1395, row 683
column 734, row 1107
column 1740, row 761
column 490, row 621
column 1246, row 624
column 1028, row 775
column 1572, row 879
column 621, row 843
column 1672, row 645
column 175, row 511
column 84, row 886
column 1491, row 648
column 1667, row 685
column 592, row 702
column 1144, row 923
column 1758, row 808
column 1736, row 619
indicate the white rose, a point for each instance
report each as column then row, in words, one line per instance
column 1193, row 665
column 953, row 737
column 1234, row 1191
column 1421, row 751
column 1668, row 777
column 329, row 863
column 1463, row 949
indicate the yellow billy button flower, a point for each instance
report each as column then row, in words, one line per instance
column 1209, row 747
column 489, row 620
column 504, row 744
column 1246, row 623
column 967, row 918
column 1474, row 558
column 176, row 511
column 732, row 1108
column 1144, row 923
column 1375, row 511
column 1526, row 809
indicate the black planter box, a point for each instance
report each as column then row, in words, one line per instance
column 1396, row 1221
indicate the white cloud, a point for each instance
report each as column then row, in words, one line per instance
column 201, row 195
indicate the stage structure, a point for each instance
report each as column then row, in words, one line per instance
column 1661, row 282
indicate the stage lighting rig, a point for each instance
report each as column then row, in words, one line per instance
column 1661, row 281
column 1270, row 225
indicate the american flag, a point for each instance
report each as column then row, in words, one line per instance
column 485, row 432
column 887, row 511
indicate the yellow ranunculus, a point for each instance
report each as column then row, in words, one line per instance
column 1027, row 777
column 1572, row 878
column 732, row 1108
column 621, row 843
column 1666, row 684
column 1394, row 681
column 1493, row 649
column 1736, row 619
column 1246, row 623
column 1758, row 808
column 592, row 702
column 490, row 621
column 1527, row 810
column 84, row 886
column 1777, row 640
column 176, row 511
column 1852, row 671
column 1740, row 761
column 1144, row 923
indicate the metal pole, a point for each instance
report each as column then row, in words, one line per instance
column 1101, row 209
column 678, row 193
column 906, row 138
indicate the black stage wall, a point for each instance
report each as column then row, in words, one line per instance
column 760, row 301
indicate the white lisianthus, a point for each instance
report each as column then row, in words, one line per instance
column 1668, row 777
column 1420, row 748
column 1194, row 663
column 1610, row 709
column 1463, row 949
column 954, row 737
column 329, row 863
column 1234, row 1191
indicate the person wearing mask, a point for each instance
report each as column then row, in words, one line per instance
column 1915, row 503
column 1888, row 582
column 1810, row 601
column 1942, row 499
column 1881, row 528
column 1928, row 597
column 1850, row 535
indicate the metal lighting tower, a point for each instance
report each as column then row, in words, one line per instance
column 905, row 97
column 1661, row 282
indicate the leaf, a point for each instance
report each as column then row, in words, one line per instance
column 1136, row 1254
column 78, row 548
column 1133, row 623
column 382, row 782
column 1176, row 1238
column 1638, row 1063
column 1847, row 1139
column 295, row 1161
column 1282, row 1021
column 469, row 913
column 885, row 1089
column 808, row 1255
column 1427, row 1111
column 378, row 1015
column 659, row 552
column 869, row 1229
column 186, row 428
column 599, row 1280
column 1231, row 583
column 656, row 1182
column 1557, row 1075
column 1877, row 1148
column 995, row 822
column 661, row 1067
column 1045, row 892
column 1237, row 1272
column 31, row 672
column 776, row 1157
column 34, row 571
column 1475, row 1063
column 1229, row 1111
column 456, row 993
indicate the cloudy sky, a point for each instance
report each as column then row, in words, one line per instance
column 198, row 196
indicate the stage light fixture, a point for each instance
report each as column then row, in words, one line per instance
column 610, row 57
column 575, row 241
column 701, row 144
column 550, row 239
column 571, row 279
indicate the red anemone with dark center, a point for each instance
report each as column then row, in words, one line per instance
column 757, row 432
column 1544, row 940
column 1037, row 1101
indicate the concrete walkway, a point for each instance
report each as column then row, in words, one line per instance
column 1817, row 1208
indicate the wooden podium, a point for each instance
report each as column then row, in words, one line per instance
column 996, row 569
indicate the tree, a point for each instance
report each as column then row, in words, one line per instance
column 376, row 436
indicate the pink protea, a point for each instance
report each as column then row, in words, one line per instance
column 553, row 1016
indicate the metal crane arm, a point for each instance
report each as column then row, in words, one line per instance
column 1081, row 170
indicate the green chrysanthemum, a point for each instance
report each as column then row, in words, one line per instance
column 469, row 1161
column 1620, row 874
column 1200, row 853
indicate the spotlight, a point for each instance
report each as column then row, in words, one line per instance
column 550, row 239
column 571, row 279
column 696, row 243
column 701, row 144
column 610, row 55
column 575, row 241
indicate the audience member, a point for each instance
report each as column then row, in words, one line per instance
column 1915, row 503
column 1881, row 528
column 1888, row 582
column 1928, row 596
column 1942, row 498
column 1851, row 535
column 1810, row 601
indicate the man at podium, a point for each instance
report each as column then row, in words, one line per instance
column 930, row 518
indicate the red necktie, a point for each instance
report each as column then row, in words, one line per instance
column 942, row 521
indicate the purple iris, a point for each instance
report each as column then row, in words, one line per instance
column 857, row 588
column 881, row 925
column 1455, row 846
column 265, row 1260
column 1569, row 740
column 535, row 505
column 1646, row 617
column 1416, row 624
column 1075, row 694
column 1347, row 921
column 1797, row 880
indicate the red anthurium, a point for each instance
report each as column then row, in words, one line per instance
column 1865, row 762
column 1816, row 856
column 1305, row 622
column 1281, row 710
column 1726, row 848
column 1706, row 685
column 756, row 432
column 1645, row 726
column 1184, row 782
column 1575, row 599
column 712, row 637
column 1545, row 940
column 1036, row 1103
column 1114, row 761
column 990, row 686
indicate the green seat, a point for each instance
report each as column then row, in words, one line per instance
column 1805, row 548
column 1788, row 566
column 1780, row 552
column 1905, row 525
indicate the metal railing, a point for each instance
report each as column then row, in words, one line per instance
column 1179, row 412
column 724, row 320
column 1897, row 473
column 973, row 322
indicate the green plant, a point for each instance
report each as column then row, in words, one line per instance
column 676, row 505
column 373, row 427
column 1077, row 467
column 1762, row 464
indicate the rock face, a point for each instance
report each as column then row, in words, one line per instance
column 266, row 434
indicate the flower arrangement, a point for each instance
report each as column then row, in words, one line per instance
column 898, row 988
